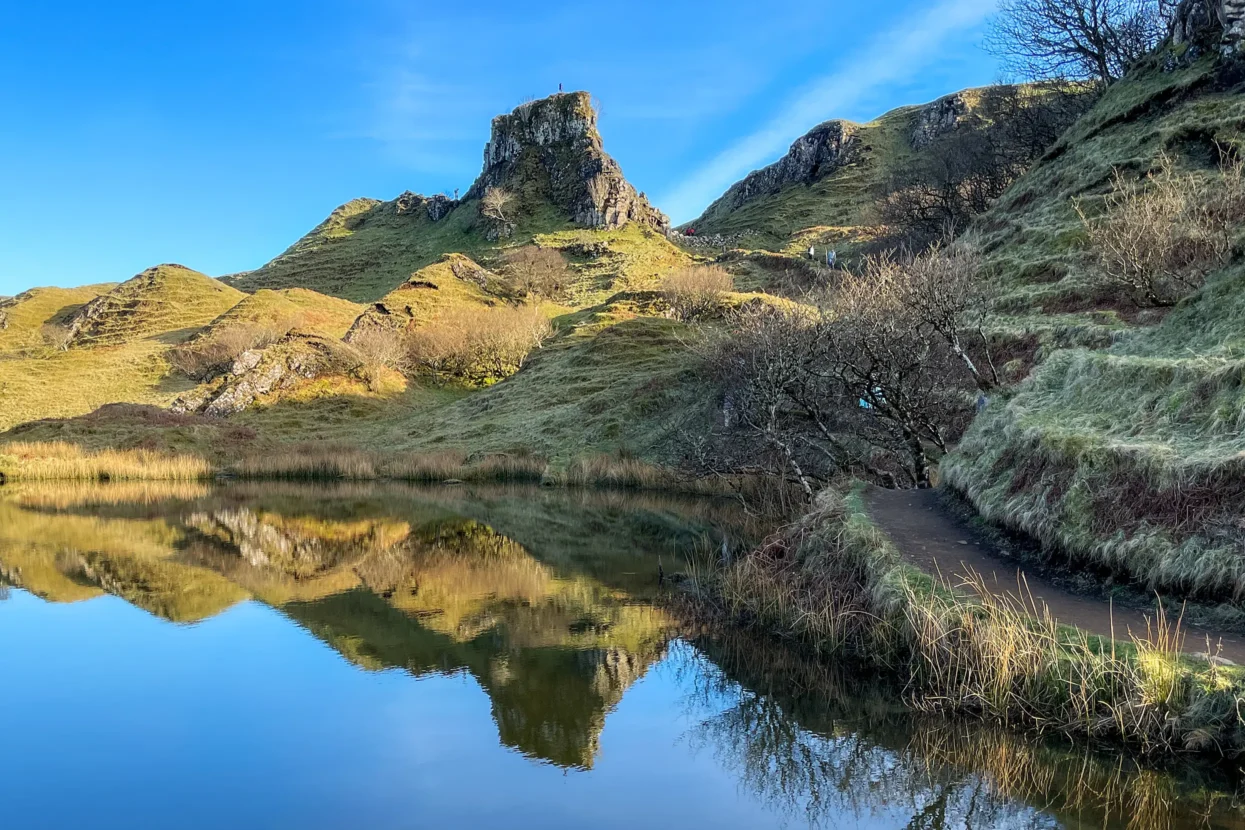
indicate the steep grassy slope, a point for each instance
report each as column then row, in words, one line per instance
column 836, row 202
column 298, row 308
column 164, row 300
column 842, row 204
column 22, row 317
column 1124, row 454
column 365, row 248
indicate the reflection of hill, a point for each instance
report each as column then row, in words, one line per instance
column 555, row 628
column 64, row 558
column 549, row 701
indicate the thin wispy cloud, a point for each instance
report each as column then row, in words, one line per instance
column 891, row 57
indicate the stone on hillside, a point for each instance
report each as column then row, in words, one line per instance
column 437, row 207
column 1198, row 24
column 939, row 118
column 554, row 144
column 294, row 359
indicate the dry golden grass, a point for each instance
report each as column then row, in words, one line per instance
column 59, row 460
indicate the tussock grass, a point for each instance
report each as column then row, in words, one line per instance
column 59, row 460
column 318, row 462
column 833, row 582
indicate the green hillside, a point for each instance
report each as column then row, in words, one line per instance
column 836, row 201
column 164, row 300
column 288, row 308
column 22, row 317
column 1124, row 452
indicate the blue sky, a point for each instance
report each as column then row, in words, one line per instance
column 216, row 133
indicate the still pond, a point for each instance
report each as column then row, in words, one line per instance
column 287, row 656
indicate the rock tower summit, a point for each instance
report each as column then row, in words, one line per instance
column 551, row 150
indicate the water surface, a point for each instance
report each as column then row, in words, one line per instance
column 257, row 656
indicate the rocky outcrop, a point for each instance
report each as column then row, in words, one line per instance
column 1201, row 24
column 301, row 550
column 828, row 147
column 437, row 207
column 256, row 373
column 552, row 145
column 939, row 118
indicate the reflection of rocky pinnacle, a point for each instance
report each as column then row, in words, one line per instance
column 552, row 704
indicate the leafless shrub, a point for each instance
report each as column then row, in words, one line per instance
column 202, row 358
column 57, row 336
column 379, row 349
column 696, row 291
column 477, row 346
column 1159, row 237
column 537, row 272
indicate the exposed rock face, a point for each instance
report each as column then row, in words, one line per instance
column 255, row 373
column 553, row 144
column 437, row 207
column 826, row 148
column 939, row 118
column 1200, row 24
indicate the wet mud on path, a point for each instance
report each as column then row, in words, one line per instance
column 930, row 536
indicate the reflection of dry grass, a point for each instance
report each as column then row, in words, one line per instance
column 63, row 495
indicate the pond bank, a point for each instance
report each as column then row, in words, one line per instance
column 834, row 583
column 934, row 539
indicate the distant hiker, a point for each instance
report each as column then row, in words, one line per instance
column 812, row 252
column 456, row 194
column 832, row 258
column 559, row 87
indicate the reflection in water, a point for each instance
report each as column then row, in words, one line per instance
column 808, row 738
column 547, row 600
column 437, row 580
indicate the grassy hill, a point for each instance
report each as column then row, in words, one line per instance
column 22, row 317
column 167, row 300
column 291, row 308
column 1123, row 452
column 839, row 205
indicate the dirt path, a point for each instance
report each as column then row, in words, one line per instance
column 931, row 537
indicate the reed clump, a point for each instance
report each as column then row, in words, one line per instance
column 63, row 461
column 834, row 583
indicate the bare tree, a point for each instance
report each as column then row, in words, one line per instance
column 857, row 382
column 538, row 272
column 1081, row 39
column 944, row 289
column 57, row 336
column 495, row 204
